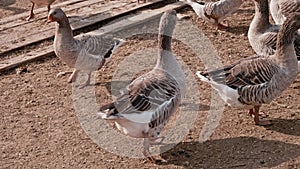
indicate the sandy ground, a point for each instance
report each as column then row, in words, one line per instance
column 41, row 129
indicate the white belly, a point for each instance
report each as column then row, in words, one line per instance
column 132, row 129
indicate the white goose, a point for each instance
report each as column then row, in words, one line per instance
column 215, row 12
column 39, row 2
column 262, row 34
column 151, row 99
column 87, row 52
column 258, row 80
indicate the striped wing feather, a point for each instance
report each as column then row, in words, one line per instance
column 153, row 92
column 248, row 77
column 95, row 45
column 270, row 40
column 235, row 75
column 289, row 6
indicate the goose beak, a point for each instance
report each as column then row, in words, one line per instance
column 50, row 19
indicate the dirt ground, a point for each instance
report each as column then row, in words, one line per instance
column 40, row 129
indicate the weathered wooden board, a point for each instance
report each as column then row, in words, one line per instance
column 109, row 29
column 20, row 18
column 92, row 11
column 25, row 58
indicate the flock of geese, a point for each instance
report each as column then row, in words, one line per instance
column 150, row 100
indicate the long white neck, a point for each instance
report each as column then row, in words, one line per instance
column 260, row 22
column 166, row 28
column 63, row 32
column 166, row 59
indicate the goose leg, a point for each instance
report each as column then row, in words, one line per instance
column 222, row 26
column 157, row 140
column 48, row 8
column 146, row 152
column 219, row 25
column 31, row 13
column 87, row 82
column 252, row 114
column 60, row 74
column 257, row 120
column 73, row 76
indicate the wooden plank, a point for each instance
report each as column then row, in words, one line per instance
column 25, row 58
column 41, row 32
column 27, row 36
column 43, row 16
column 113, row 28
column 36, row 11
column 137, row 20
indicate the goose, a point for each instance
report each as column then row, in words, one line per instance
column 39, row 2
column 262, row 34
column 215, row 12
column 151, row 99
column 279, row 9
column 87, row 52
column 258, row 80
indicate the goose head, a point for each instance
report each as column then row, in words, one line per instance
column 168, row 22
column 56, row 15
column 262, row 5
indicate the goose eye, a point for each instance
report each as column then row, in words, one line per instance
column 54, row 13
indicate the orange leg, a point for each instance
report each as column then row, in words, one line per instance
column 257, row 120
column 146, row 152
column 31, row 13
column 222, row 26
column 73, row 76
column 251, row 112
column 48, row 7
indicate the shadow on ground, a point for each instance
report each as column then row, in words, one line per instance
column 241, row 152
column 5, row 4
column 286, row 126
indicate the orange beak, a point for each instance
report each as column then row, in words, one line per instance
column 50, row 19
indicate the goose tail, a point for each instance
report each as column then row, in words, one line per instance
column 203, row 78
column 117, row 43
column 108, row 112
column 198, row 7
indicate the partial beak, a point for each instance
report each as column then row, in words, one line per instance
column 50, row 19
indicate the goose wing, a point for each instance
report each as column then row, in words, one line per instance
column 92, row 50
column 250, row 77
column 289, row 6
column 250, row 71
column 98, row 46
column 149, row 99
column 269, row 39
column 297, row 46
column 221, row 9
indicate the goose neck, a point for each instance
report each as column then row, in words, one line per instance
column 285, row 52
column 285, row 37
column 64, row 29
column 261, row 16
